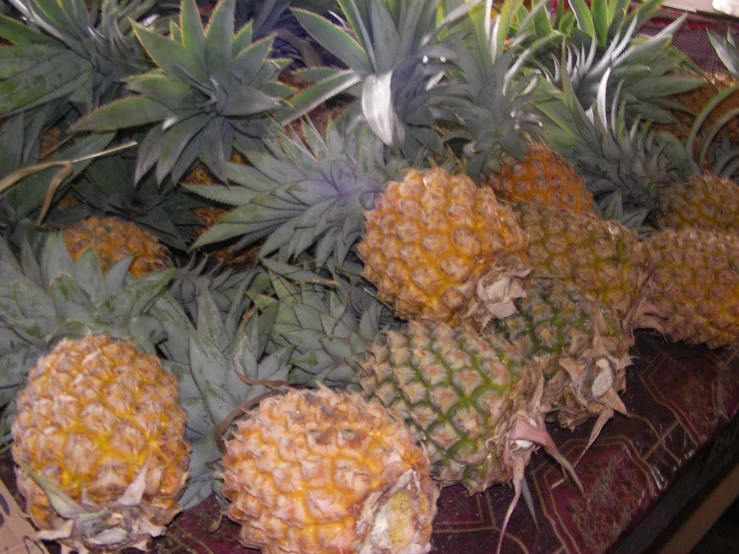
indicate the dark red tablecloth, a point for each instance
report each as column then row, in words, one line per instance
column 684, row 401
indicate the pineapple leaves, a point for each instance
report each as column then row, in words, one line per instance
column 56, row 76
column 335, row 40
column 174, row 58
column 218, row 41
column 212, row 88
column 126, row 112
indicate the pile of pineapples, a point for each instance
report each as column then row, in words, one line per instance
column 322, row 258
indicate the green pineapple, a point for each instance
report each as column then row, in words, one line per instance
column 582, row 347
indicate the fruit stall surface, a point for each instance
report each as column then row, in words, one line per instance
column 683, row 401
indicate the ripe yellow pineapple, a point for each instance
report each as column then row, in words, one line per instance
column 328, row 473
column 543, row 176
column 99, row 443
column 437, row 247
column 114, row 239
column 704, row 201
column 603, row 258
column 696, row 285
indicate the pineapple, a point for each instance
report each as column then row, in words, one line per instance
column 437, row 247
column 704, row 201
column 45, row 297
column 99, row 443
column 468, row 397
column 543, row 176
column 473, row 400
column 602, row 258
column 582, row 348
column 113, row 240
column 327, row 472
column 696, row 285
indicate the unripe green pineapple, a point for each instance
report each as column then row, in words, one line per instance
column 581, row 346
column 462, row 393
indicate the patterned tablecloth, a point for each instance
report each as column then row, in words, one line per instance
column 684, row 402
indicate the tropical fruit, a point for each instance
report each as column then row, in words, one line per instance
column 114, row 239
column 580, row 345
column 437, row 247
column 542, row 175
column 473, row 400
column 327, row 472
column 696, row 285
column 704, row 201
column 603, row 258
column 99, row 443
column 466, row 396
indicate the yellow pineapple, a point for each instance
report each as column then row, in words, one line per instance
column 543, row 176
column 328, row 473
column 704, row 201
column 696, row 285
column 99, row 443
column 439, row 248
column 603, row 258
column 114, row 239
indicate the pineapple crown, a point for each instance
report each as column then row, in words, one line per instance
column 329, row 321
column 303, row 196
column 222, row 363
column 622, row 165
column 69, row 51
column 727, row 50
column 495, row 109
column 212, row 87
column 400, row 53
column 603, row 35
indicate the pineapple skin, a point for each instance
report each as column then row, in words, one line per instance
column 705, row 202
column 95, row 416
column 542, row 176
column 114, row 239
column 461, row 393
column 439, row 248
column 603, row 258
column 696, row 285
column 327, row 472
column 580, row 343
